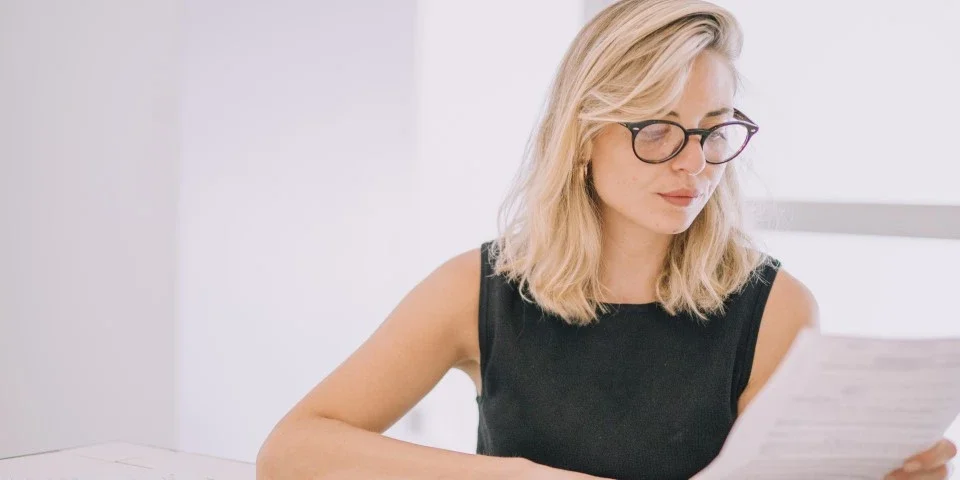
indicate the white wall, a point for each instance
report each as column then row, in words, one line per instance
column 855, row 99
column 297, row 226
column 88, row 185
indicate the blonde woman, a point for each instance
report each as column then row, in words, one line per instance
column 621, row 320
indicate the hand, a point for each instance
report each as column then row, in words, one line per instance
column 931, row 464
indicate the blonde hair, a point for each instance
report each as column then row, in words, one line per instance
column 631, row 61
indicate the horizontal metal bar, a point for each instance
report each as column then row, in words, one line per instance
column 893, row 220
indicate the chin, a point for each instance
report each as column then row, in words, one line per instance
column 656, row 219
column 668, row 224
column 679, row 229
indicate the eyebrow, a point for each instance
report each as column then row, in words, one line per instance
column 716, row 113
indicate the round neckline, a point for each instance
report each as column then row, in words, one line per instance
column 630, row 307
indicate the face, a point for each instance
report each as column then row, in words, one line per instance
column 665, row 198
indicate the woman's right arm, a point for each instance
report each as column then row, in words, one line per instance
column 335, row 431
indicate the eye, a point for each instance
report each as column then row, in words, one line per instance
column 718, row 136
column 652, row 133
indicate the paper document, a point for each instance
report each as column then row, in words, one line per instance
column 844, row 407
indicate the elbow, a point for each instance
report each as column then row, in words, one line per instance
column 277, row 455
column 268, row 461
column 293, row 450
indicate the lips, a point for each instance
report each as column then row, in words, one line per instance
column 679, row 201
column 682, row 193
column 683, row 197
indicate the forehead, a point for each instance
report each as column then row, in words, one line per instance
column 710, row 84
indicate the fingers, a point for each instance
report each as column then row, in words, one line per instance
column 939, row 473
column 938, row 455
column 931, row 464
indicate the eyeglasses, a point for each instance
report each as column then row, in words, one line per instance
column 657, row 141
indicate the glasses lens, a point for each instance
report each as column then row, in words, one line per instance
column 725, row 143
column 658, row 141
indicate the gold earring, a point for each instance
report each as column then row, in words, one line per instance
column 585, row 170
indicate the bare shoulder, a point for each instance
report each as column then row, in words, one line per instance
column 459, row 279
column 451, row 294
column 791, row 307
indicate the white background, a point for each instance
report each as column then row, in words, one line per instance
column 88, row 218
column 207, row 205
column 298, row 153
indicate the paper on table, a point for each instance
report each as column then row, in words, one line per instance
column 844, row 407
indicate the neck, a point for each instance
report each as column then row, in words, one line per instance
column 631, row 260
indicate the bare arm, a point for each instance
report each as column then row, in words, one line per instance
column 790, row 308
column 335, row 431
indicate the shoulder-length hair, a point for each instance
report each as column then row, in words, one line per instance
column 631, row 61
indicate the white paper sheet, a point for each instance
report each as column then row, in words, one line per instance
column 844, row 407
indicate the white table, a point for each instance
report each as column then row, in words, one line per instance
column 125, row 461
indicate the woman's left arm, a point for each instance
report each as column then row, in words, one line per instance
column 790, row 308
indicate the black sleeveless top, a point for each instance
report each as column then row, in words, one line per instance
column 638, row 395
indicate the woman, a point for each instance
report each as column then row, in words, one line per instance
column 621, row 320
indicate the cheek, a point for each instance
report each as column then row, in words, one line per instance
column 624, row 184
column 715, row 175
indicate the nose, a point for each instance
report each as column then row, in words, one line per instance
column 691, row 159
